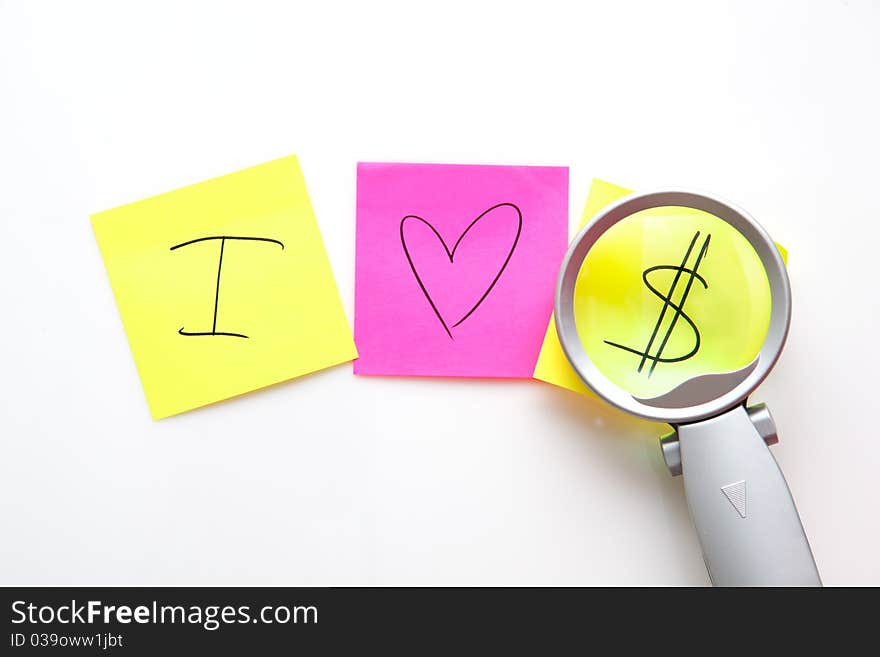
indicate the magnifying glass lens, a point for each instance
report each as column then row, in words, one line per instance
column 668, row 295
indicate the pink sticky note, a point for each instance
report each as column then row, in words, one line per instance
column 456, row 266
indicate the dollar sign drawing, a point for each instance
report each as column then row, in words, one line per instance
column 681, row 271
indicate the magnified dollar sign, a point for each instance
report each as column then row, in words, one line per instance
column 686, row 276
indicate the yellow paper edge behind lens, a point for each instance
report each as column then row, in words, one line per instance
column 552, row 366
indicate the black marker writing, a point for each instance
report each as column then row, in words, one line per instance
column 223, row 239
column 668, row 302
column 450, row 253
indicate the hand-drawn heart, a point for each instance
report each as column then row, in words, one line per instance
column 455, row 283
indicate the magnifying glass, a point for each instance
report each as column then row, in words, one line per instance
column 674, row 306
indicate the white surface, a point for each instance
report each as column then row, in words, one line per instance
column 342, row 480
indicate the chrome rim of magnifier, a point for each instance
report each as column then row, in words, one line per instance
column 780, row 295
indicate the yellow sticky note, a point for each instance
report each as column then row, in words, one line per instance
column 552, row 365
column 224, row 287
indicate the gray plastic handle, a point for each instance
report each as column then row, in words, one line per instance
column 749, row 528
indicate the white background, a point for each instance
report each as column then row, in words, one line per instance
column 336, row 479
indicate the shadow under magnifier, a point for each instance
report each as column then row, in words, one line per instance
column 588, row 410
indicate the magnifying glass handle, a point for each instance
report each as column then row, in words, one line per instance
column 743, row 511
